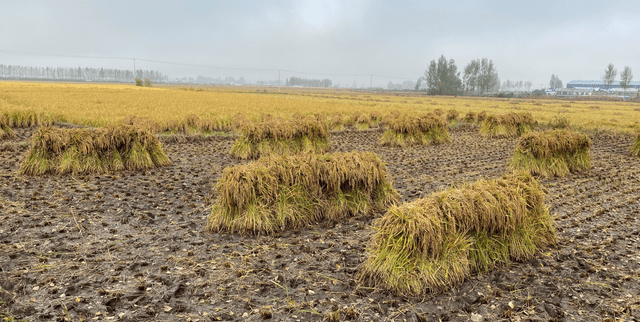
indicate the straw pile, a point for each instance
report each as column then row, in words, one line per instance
column 336, row 122
column 635, row 148
column 411, row 130
column 281, row 192
column 471, row 117
column 506, row 125
column 552, row 153
column 281, row 137
column 434, row 243
column 452, row 115
column 113, row 148
column 5, row 130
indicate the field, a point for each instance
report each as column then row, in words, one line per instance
column 90, row 104
column 133, row 245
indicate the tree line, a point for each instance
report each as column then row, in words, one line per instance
column 610, row 74
column 443, row 78
column 296, row 81
column 79, row 74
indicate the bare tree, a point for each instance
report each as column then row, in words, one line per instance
column 609, row 75
column 625, row 77
column 555, row 82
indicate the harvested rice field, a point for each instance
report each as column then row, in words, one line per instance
column 133, row 245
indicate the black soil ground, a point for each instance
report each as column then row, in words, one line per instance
column 132, row 246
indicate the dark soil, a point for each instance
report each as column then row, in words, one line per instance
column 132, row 246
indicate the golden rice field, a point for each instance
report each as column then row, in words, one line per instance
column 98, row 104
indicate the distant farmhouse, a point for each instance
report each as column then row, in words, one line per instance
column 598, row 85
column 596, row 88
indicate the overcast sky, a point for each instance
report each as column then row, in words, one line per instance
column 527, row 40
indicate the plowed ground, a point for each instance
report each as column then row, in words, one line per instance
column 132, row 246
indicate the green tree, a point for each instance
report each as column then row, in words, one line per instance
column 625, row 77
column 443, row 78
column 609, row 75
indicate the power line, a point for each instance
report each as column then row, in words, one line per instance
column 205, row 66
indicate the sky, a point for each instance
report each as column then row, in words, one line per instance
column 527, row 40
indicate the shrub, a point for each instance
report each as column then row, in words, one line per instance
column 75, row 151
column 635, row 148
column 506, row 125
column 276, row 193
column 411, row 130
column 434, row 243
column 281, row 137
column 138, row 82
column 552, row 153
column 147, row 82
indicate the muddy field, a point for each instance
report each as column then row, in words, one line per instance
column 132, row 246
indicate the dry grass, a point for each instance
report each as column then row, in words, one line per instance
column 281, row 192
column 506, row 125
column 415, row 130
column 434, row 243
column 75, row 151
column 303, row 134
column 99, row 104
column 552, row 153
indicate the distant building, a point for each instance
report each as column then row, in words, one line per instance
column 596, row 85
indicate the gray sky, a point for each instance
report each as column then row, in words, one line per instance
column 526, row 40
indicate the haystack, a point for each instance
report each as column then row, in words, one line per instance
column 552, row 153
column 635, row 148
column 415, row 130
column 452, row 115
column 434, row 243
column 471, row 117
column 5, row 130
column 281, row 137
column 507, row 125
column 276, row 193
column 112, row 148
column 336, row 123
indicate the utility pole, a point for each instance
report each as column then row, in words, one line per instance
column 278, row 81
column 370, row 84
